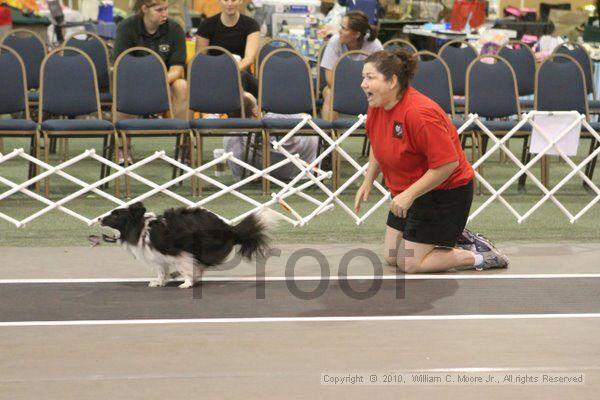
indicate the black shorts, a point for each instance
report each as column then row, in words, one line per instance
column 437, row 217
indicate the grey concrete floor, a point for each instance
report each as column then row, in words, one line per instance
column 286, row 359
column 110, row 261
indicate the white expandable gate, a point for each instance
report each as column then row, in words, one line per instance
column 309, row 175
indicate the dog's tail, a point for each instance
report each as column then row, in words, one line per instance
column 251, row 232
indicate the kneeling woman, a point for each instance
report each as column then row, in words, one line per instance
column 417, row 148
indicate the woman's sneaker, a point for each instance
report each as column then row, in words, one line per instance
column 466, row 241
column 121, row 159
column 477, row 243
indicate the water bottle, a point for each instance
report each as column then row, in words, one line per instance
column 307, row 26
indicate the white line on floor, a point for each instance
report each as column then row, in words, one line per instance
column 313, row 278
column 298, row 319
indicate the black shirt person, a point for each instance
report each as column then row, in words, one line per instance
column 235, row 32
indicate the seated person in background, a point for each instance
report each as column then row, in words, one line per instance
column 237, row 33
column 305, row 146
column 355, row 34
column 151, row 28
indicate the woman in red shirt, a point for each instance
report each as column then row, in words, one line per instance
column 416, row 147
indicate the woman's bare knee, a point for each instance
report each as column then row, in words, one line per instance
column 179, row 88
column 390, row 260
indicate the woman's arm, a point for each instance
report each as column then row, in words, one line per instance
column 429, row 181
column 175, row 72
column 251, row 50
column 372, row 173
column 329, row 77
column 201, row 43
column 329, row 58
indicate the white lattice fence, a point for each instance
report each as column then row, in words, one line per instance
column 551, row 142
column 309, row 175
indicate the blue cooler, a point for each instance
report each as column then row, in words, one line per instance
column 105, row 11
column 369, row 7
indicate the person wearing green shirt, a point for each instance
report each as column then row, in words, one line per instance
column 151, row 28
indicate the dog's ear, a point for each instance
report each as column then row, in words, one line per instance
column 138, row 204
column 137, row 210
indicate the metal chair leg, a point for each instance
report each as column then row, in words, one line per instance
column 199, row 160
column 591, row 166
column 525, row 158
column 126, row 164
column 266, row 161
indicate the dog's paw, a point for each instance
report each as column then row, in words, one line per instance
column 186, row 285
column 156, row 284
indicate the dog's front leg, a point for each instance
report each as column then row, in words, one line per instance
column 190, row 272
column 161, row 279
column 188, row 283
column 189, row 280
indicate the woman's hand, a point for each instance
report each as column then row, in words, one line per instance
column 401, row 203
column 428, row 182
column 362, row 195
column 363, row 191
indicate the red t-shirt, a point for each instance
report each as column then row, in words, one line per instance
column 414, row 136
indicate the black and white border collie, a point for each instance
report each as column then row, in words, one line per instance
column 187, row 240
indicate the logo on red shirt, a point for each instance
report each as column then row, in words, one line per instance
column 398, row 130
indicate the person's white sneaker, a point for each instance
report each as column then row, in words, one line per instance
column 477, row 243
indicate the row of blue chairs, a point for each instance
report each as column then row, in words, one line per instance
column 69, row 90
column 458, row 55
column 492, row 92
column 33, row 51
column 287, row 89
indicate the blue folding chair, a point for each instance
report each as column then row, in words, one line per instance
column 492, row 94
column 433, row 79
column 32, row 51
column 520, row 56
column 348, row 99
column 267, row 48
column 580, row 54
column 215, row 87
column 555, row 93
column 458, row 54
column 92, row 45
column 141, row 91
column 13, row 100
column 285, row 87
column 68, row 89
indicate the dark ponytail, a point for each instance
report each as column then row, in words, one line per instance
column 372, row 33
column 358, row 21
column 399, row 62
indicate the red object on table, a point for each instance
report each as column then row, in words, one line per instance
column 460, row 14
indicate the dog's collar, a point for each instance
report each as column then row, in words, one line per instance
column 145, row 233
